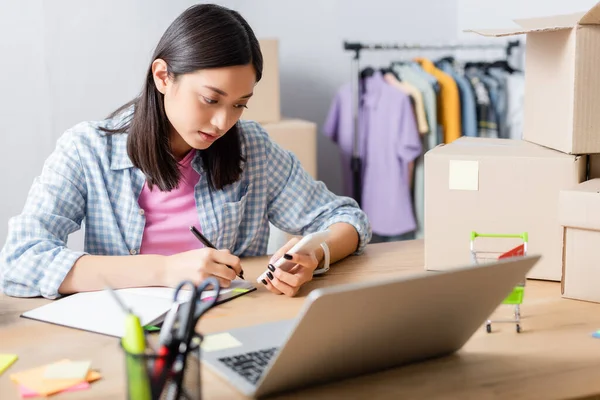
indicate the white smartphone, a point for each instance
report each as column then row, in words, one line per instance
column 307, row 244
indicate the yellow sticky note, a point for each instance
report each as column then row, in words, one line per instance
column 6, row 360
column 463, row 175
column 219, row 341
column 33, row 379
column 69, row 370
column 239, row 290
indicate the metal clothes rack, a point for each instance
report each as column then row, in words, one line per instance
column 357, row 47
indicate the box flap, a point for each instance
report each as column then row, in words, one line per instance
column 478, row 147
column 592, row 16
column 497, row 32
column 579, row 207
column 514, row 31
column 551, row 22
column 544, row 24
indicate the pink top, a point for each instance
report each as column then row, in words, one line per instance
column 170, row 214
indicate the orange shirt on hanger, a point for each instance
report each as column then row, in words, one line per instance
column 448, row 101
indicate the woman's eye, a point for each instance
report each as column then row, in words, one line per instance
column 209, row 101
column 241, row 106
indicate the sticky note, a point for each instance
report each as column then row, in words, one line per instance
column 26, row 392
column 68, row 370
column 34, row 380
column 463, row 175
column 6, row 360
column 239, row 290
column 219, row 341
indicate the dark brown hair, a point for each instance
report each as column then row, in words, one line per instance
column 203, row 36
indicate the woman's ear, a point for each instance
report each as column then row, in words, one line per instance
column 160, row 74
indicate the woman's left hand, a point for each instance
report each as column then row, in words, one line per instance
column 288, row 283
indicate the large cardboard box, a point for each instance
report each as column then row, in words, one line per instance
column 497, row 186
column 580, row 216
column 264, row 106
column 562, row 83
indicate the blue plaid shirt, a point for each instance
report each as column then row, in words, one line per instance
column 90, row 176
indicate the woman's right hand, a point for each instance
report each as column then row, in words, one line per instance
column 197, row 265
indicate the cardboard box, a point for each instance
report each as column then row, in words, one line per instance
column 562, row 83
column 496, row 186
column 264, row 106
column 580, row 216
column 299, row 137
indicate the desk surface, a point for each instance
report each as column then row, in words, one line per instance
column 554, row 357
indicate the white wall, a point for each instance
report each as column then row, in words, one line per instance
column 64, row 61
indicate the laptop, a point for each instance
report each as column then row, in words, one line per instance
column 348, row 330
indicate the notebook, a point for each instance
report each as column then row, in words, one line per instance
column 98, row 312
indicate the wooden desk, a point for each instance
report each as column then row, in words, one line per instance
column 554, row 357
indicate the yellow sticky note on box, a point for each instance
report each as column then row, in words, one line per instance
column 33, row 379
column 463, row 175
column 6, row 360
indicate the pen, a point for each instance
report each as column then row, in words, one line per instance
column 205, row 242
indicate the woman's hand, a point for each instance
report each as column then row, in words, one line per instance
column 302, row 266
column 197, row 265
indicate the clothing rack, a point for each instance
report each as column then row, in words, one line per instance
column 357, row 47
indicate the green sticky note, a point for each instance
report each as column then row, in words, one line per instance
column 239, row 290
column 6, row 360
column 151, row 328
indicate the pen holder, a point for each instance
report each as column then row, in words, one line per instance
column 152, row 376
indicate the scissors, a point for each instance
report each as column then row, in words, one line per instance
column 178, row 328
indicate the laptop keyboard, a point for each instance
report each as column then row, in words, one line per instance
column 250, row 365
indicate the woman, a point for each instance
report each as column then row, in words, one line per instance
column 177, row 155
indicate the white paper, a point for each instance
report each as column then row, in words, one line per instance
column 463, row 175
column 99, row 312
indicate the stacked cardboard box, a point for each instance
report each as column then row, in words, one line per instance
column 296, row 135
column 539, row 185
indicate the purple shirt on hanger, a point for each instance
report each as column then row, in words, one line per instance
column 388, row 142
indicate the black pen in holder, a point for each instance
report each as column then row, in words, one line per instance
column 172, row 376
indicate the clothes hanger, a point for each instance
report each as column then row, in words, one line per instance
column 367, row 72
column 449, row 59
column 503, row 64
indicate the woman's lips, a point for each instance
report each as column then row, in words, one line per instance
column 208, row 137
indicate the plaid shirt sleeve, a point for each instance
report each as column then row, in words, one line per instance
column 298, row 204
column 35, row 259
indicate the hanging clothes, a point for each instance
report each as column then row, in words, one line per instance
column 486, row 115
column 448, row 101
column 468, row 107
column 501, row 103
column 416, row 97
column 419, row 79
column 389, row 143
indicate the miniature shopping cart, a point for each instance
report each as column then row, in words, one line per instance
column 515, row 298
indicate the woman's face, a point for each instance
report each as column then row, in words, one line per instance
column 202, row 106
